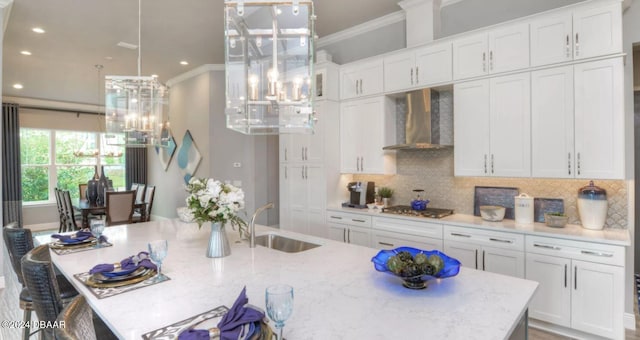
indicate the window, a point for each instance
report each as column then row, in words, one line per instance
column 48, row 161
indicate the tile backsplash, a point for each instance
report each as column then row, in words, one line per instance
column 432, row 170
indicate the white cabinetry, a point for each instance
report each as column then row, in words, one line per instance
column 492, row 127
column 306, row 203
column 349, row 228
column 362, row 78
column 581, row 284
column 500, row 50
column 496, row 252
column 579, row 34
column 418, row 68
column 366, row 126
column 391, row 233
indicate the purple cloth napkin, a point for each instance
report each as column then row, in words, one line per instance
column 73, row 238
column 232, row 323
column 127, row 265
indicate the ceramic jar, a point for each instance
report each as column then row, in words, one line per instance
column 592, row 206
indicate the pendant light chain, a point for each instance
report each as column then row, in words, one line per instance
column 139, row 34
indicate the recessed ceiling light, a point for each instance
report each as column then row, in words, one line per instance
column 38, row 30
column 25, row 52
column 184, row 62
column 17, row 86
column 108, row 58
column 154, row 75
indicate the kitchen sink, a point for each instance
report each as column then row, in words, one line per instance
column 285, row 244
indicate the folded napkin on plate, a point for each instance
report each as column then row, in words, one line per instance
column 240, row 322
column 73, row 238
column 127, row 265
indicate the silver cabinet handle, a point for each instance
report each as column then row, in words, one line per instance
column 356, row 220
column 500, row 240
column 336, row 217
column 546, row 246
column 417, row 75
column 460, row 235
column 302, row 171
column 577, row 44
column 358, row 163
column 567, row 46
column 596, row 253
column 411, row 76
column 492, row 161
column 357, row 91
column 306, row 172
column 344, row 235
column 485, row 164
column 569, row 163
column 484, row 64
column 361, row 87
column 361, row 163
column 306, row 153
column 491, row 60
column 578, row 160
column 349, row 236
column 285, row 154
column 575, row 277
column 285, row 173
column 302, row 153
column 565, row 276
column 476, row 258
column 385, row 244
column 483, row 260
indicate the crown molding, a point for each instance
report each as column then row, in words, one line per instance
column 195, row 72
column 53, row 105
column 361, row 29
column 5, row 6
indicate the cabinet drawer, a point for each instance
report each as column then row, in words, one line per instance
column 349, row 219
column 417, row 228
column 484, row 237
column 585, row 251
column 383, row 239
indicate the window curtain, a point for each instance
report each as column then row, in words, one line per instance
column 136, row 166
column 11, row 172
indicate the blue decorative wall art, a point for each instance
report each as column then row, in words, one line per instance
column 188, row 157
column 165, row 153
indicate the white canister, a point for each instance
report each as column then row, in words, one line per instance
column 523, row 208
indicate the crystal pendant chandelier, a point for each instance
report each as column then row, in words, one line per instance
column 136, row 107
column 269, row 48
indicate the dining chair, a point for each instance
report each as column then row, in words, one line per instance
column 61, row 213
column 83, row 190
column 140, row 192
column 49, row 292
column 119, row 207
column 70, row 213
column 81, row 323
column 148, row 200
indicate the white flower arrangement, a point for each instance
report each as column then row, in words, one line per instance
column 213, row 201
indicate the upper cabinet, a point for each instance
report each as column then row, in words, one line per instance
column 417, row 68
column 361, row 79
column 499, row 50
column 578, row 34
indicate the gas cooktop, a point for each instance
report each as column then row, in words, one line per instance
column 406, row 210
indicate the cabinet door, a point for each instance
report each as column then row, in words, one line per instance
column 599, row 119
column 350, row 130
column 315, row 190
column 359, row 236
column 297, row 199
column 509, row 48
column 597, row 31
column 399, row 71
column 597, row 299
column 391, row 240
column 285, row 147
column 510, row 126
column 551, row 39
column 314, row 143
column 503, row 261
column 470, row 57
column 552, row 301
column 337, row 232
column 552, row 123
column 371, row 77
column 471, row 128
column 377, row 130
column 466, row 253
column 426, row 72
column 285, row 222
column 349, row 78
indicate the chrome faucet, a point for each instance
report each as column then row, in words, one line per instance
column 252, row 225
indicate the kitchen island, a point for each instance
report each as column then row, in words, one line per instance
column 338, row 294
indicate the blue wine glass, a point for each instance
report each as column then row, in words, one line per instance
column 158, row 251
column 97, row 228
column 279, row 301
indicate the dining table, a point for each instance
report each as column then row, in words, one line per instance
column 86, row 207
column 337, row 292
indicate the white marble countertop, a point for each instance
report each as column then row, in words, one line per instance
column 338, row 294
column 576, row 232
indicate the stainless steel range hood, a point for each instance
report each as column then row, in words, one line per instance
column 423, row 126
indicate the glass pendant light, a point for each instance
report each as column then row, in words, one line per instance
column 269, row 48
column 136, row 107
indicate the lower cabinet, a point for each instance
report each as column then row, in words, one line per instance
column 581, row 285
column 349, row 228
column 495, row 252
column 389, row 233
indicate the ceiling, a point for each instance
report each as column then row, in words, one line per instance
column 83, row 33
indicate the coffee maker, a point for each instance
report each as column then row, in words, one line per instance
column 360, row 194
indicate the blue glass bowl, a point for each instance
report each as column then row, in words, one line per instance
column 451, row 266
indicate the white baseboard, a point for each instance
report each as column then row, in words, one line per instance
column 629, row 321
column 2, row 285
